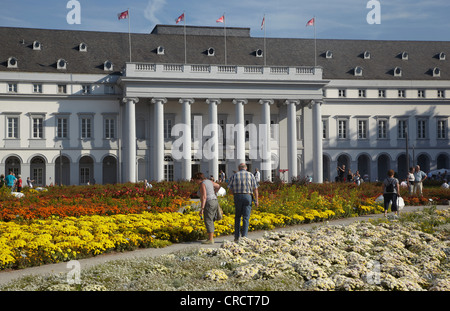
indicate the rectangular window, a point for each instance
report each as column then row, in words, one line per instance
column 440, row 94
column 362, row 93
column 382, row 93
column 37, row 88
column 86, row 89
column 38, row 176
column 12, row 87
column 110, row 128
column 402, row 127
column 62, row 88
column 401, row 93
column 84, row 175
column 441, row 129
column 362, row 129
column 342, row 93
column 382, row 129
column 167, row 128
column 421, row 93
column 421, row 129
column 13, row 127
column 86, row 128
column 324, row 129
column 38, row 127
column 222, row 136
column 168, row 172
column 61, row 127
column 342, row 129
column 140, row 129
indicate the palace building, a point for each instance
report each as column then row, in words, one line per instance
column 85, row 106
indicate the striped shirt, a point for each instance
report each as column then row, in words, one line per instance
column 243, row 182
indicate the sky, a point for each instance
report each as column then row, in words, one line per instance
column 418, row 20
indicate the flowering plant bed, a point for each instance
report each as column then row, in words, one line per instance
column 65, row 223
column 380, row 255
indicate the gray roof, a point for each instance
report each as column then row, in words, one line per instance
column 241, row 47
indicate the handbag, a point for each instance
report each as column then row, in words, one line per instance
column 219, row 214
column 400, row 203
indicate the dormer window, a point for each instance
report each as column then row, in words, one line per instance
column 61, row 64
column 160, row 50
column 328, row 54
column 211, row 52
column 12, row 62
column 442, row 56
column 436, row 72
column 405, row 56
column 366, row 55
column 108, row 65
column 358, row 71
column 259, row 53
column 37, row 46
column 82, row 47
column 397, row 72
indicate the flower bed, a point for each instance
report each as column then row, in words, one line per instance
column 67, row 223
column 367, row 256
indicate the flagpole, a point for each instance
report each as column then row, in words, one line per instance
column 185, row 52
column 129, row 32
column 315, row 44
column 225, row 35
column 265, row 52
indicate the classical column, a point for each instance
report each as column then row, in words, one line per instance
column 317, row 142
column 129, row 140
column 264, row 138
column 214, row 140
column 240, row 130
column 158, row 104
column 292, row 137
column 186, row 165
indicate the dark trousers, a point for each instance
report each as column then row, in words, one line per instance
column 243, row 207
column 388, row 197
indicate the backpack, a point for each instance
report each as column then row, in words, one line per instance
column 390, row 187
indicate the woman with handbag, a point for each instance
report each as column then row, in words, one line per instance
column 209, row 204
column 391, row 191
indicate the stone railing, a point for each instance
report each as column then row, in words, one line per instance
column 143, row 70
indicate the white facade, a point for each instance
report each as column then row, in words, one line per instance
column 163, row 121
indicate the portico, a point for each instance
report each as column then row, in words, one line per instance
column 253, row 101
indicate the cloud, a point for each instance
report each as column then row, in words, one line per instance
column 151, row 10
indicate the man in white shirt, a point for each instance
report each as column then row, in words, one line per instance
column 257, row 176
column 419, row 177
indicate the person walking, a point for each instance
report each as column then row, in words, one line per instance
column 391, row 191
column 341, row 173
column 209, row 203
column 19, row 183
column 10, row 180
column 411, row 180
column 419, row 177
column 257, row 176
column 242, row 185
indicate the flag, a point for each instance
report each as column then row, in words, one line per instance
column 310, row 22
column 221, row 19
column 123, row 15
column 180, row 18
column 262, row 23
